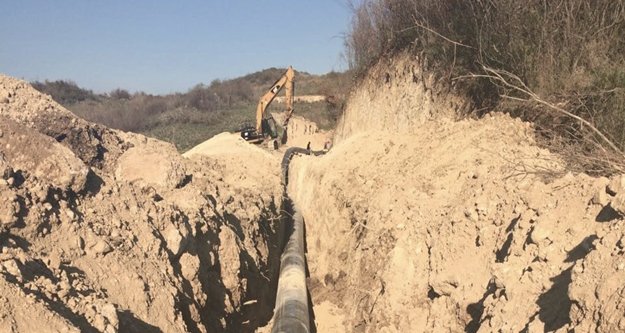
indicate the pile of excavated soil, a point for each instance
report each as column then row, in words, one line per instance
column 301, row 132
column 107, row 231
column 241, row 163
column 454, row 226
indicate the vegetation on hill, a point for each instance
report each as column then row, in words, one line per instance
column 187, row 119
column 537, row 59
column 64, row 92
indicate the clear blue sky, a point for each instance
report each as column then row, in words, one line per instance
column 160, row 46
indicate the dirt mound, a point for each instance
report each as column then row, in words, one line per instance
column 244, row 164
column 91, row 143
column 153, row 163
column 302, row 131
column 107, row 231
column 398, row 96
column 41, row 156
column 444, row 225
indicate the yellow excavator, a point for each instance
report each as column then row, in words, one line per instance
column 265, row 124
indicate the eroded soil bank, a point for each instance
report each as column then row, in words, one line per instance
column 109, row 231
column 417, row 222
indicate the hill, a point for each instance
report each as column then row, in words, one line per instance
column 186, row 119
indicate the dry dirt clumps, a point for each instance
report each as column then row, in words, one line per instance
column 151, row 162
column 416, row 222
column 597, row 290
column 41, row 156
column 91, row 143
column 461, row 226
column 27, row 315
column 114, row 232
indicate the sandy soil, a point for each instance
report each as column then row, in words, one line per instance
column 108, row 231
column 459, row 226
column 415, row 222
column 301, row 132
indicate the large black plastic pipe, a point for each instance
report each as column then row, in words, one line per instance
column 286, row 159
column 291, row 313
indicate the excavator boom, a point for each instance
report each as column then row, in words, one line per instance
column 265, row 125
column 286, row 82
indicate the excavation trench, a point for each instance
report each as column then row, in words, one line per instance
column 292, row 310
column 417, row 222
column 293, row 307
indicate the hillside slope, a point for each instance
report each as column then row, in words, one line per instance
column 187, row 119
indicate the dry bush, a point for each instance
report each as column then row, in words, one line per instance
column 201, row 98
column 219, row 94
column 64, row 92
column 568, row 52
column 120, row 94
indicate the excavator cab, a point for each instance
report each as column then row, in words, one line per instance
column 249, row 133
column 269, row 129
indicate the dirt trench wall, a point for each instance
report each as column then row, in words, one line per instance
column 116, row 232
column 398, row 96
column 461, row 226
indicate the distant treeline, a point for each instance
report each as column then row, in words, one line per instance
column 206, row 109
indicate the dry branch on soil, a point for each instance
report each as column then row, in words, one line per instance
column 511, row 82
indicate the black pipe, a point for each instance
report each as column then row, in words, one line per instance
column 291, row 314
column 286, row 159
column 291, row 311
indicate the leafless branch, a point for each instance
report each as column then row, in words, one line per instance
column 418, row 24
column 513, row 82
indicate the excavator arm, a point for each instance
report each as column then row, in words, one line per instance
column 286, row 81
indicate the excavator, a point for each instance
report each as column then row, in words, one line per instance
column 265, row 124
